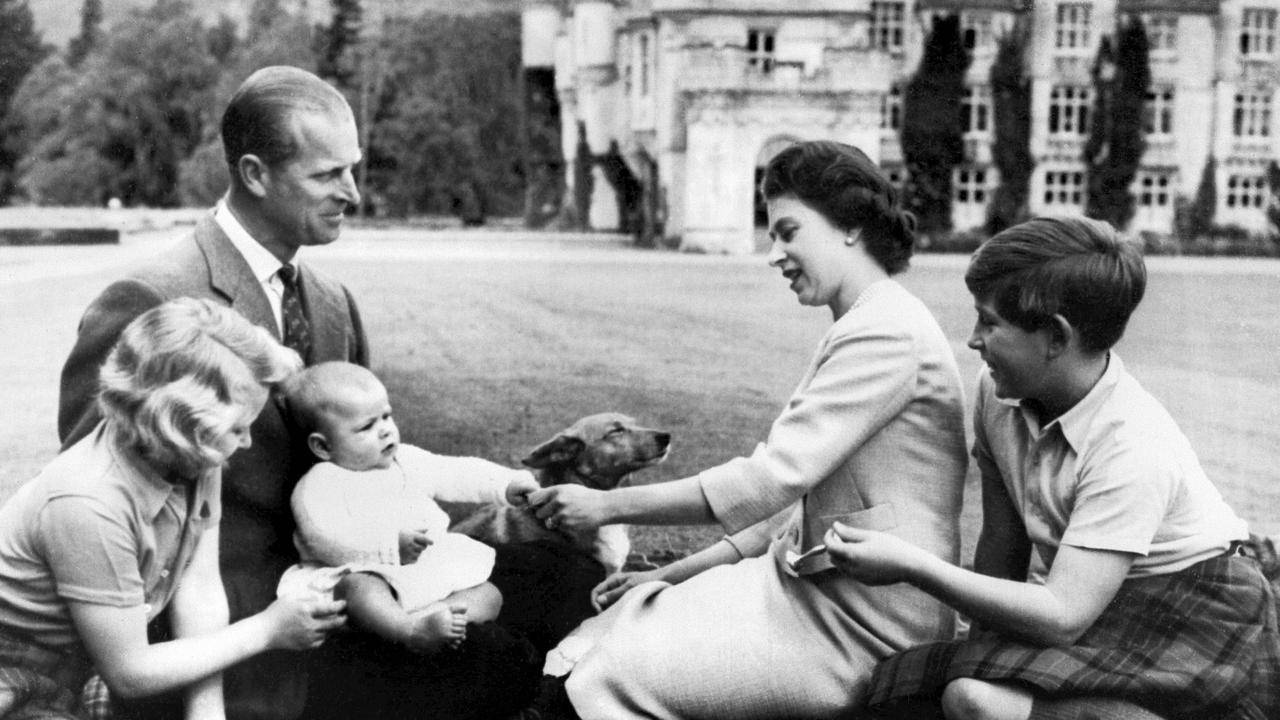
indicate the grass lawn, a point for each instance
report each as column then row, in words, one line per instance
column 490, row 344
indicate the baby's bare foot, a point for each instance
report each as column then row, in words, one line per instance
column 439, row 627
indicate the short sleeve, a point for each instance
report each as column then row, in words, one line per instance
column 1121, row 499
column 92, row 553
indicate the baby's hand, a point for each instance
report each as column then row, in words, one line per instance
column 412, row 543
column 518, row 490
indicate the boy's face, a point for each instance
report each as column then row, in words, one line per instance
column 361, row 435
column 1017, row 359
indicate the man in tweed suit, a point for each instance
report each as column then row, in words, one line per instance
column 291, row 145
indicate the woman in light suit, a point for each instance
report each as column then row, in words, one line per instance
column 873, row 437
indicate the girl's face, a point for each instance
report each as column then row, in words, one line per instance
column 810, row 252
column 241, row 415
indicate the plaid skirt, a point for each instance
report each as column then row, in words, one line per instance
column 37, row 683
column 1200, row 643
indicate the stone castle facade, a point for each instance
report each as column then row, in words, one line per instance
column 694, row 96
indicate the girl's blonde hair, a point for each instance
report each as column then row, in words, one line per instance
column 168, row 385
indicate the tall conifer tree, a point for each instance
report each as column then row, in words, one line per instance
column 1011, row 146
column 1117, row 140
column 932, row 125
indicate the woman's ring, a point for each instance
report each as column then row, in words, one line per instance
column 551, row 523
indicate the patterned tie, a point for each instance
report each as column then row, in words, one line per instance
column 297, row 330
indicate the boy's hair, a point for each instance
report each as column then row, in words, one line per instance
column 316, row 393
column 176, row 368
column 1075, row 267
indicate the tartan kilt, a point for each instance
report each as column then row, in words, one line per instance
column 1199, row 643
column 37, row 683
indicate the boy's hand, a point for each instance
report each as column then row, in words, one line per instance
column 412, row 543
column 518, row 490
column 870, row 557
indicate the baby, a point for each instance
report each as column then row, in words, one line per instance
column 369, row 528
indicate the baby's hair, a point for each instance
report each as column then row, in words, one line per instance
column 167, row 384
column 1075, row 267
column 316, row 393
column 840, row 182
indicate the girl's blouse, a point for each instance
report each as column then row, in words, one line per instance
column 97, row 526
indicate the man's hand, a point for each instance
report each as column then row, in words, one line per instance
column 297, row 625
column 570, row 508
column 412, row 543
column 518, row 490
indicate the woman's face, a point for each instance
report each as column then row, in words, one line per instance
column 241, row 415
column 810, row 252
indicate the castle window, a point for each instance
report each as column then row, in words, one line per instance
column 888, row 23
column 1258, row 32
column 1157, row 117
column 1252, row 116
column 1073, row 25
column 976, row 109
column 1162, row 33
column 1064, row 188
column 1069, row 110
column 1153, row 188
column 760, row 51
column 976, row 30
column 1246, row 191
column 644, row 64
column 891, row 108
column 969, row 186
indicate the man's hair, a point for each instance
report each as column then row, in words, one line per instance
column 1075, row 267
column 175, row 371
column 318, row 392
column 257, row 119
column 841, row 183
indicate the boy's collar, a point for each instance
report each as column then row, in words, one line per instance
column 1076, row 420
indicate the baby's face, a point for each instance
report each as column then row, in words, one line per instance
column 363, row 436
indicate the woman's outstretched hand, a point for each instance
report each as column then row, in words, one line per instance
column 299, row 625
column 870, row 557
column 617, row 584
column 570, row 508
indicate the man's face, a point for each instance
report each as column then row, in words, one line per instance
column 307, row 195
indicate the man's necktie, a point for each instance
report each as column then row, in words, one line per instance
column 297, row 331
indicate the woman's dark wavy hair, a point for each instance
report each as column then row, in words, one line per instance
column 1071, row 266
column 840, row 182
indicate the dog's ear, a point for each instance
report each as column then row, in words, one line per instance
column 558, row 450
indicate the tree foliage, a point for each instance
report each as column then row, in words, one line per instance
column 932, row 125
column 121, row 123
column 1011, row 146
column 446, row 129
column 1113, row 152
column 90, row 33
column 340, row 42
column 21, row 50
column 1199, row 215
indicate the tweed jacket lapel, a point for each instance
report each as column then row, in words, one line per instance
column 230, row 275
